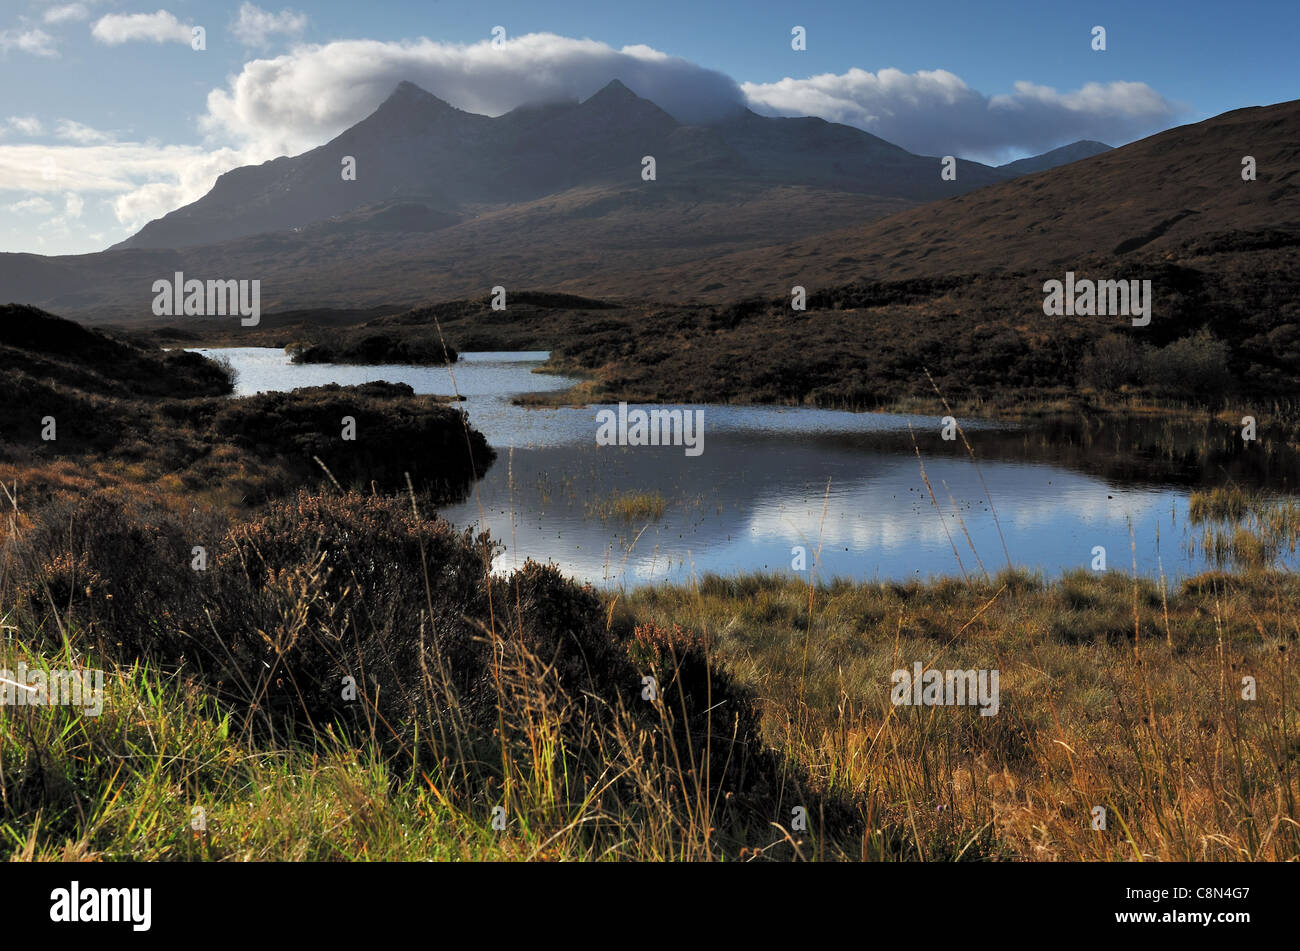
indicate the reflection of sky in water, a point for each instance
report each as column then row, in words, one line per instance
column 760, row 488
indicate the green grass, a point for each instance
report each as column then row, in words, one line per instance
column 158, row 775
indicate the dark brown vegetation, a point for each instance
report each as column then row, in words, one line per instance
column 1223, row 324
column 126, row 413
column 1224, row 328
column 365, row 346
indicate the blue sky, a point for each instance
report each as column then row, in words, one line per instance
column 106, row 121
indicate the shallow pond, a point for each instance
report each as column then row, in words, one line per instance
column 846, row 487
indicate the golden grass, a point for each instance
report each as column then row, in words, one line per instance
column 629, row 506
column 1149, row 724
column 1245, row 528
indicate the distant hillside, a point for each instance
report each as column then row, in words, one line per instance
column 81, row 409
column 97, row 390
column 36, row 345
column 1084, row 148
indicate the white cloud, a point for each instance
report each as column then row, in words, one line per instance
column 35, row 206
column 158, row 27
column 934, row 112
column 139, row 206
column 73, row 205
column 298, row 100
column 35, row 42
column 143, row 180
column 27, row 125
column 66, row 13
column 255, row 25
column 81, row 134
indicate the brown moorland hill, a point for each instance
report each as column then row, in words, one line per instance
column 1154, row 195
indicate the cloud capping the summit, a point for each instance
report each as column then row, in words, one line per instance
column 298, row 100
column 295, row 101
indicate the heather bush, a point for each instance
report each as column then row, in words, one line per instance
column 360, row 612
column 322, row 587
column 115, row 567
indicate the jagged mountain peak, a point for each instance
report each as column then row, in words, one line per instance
column 614, row 91
column 614, row 98
column 408, row 99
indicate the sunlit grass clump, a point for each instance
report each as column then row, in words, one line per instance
column 1250, row 530
column 630, row 507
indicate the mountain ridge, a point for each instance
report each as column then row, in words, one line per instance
column 417, row 147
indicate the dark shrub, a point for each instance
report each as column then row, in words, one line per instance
column 59, row 350
column 322, row 587
column 708, row 709
column 369, row 347
column 1111, row 362
column 117, row 567
column 1195, row 366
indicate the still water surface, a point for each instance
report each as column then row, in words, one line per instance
column 847, row 485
